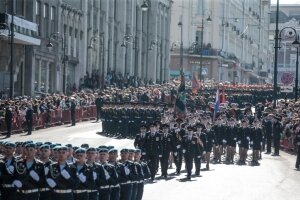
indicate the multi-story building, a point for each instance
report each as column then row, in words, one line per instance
column 289, row 16
column 229, row 38
column 92, row 37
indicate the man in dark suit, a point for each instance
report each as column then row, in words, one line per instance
column 140, row 141
column 8, row 120
column 73, row 111
column 99, row 104
column 29, row 120
column 167, row 145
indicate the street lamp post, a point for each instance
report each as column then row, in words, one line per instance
column 58, row 36
column 276, row 55
column 297, row 71
column 181, row 48
column 128, row 39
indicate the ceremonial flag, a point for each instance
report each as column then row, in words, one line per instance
column 180, row 103
column 195, row 84
column 217, row 104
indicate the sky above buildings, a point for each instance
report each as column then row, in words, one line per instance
column 286, row 1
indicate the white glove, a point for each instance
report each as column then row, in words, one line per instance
column 17, row 183
column 248, row 138
column 10, row 169
column 127, row 171
column 213, row 141
column 46, row 170
column 198, row 156
column 178, row 146
column 144, row 153
column 239, row 142
column 34, row 175
column 175, row 153
column 82, row 177
column 94, row 175
column 183, row 151
column 261, row 143
column 204, row 152
column 51, row 182
column 65, row 174
column 224, row 141
column 234, row 138
column 251, row 142
column 107, row 176
column 160, row 156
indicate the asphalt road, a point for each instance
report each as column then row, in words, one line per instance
column 274, row 179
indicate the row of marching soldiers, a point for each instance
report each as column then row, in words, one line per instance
column 46, row 171
column 195, row 143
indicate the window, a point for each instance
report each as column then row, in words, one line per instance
column 52, row 13
column 46, row 11
column 20, row 7
column 37, row 8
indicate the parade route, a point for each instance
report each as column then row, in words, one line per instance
column 274, row 179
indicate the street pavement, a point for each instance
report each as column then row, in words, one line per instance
column 274, row 179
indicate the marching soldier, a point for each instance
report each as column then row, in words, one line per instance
column 28, row 175
column 137, row 177
column 197, row 157
column 190, row 149
column 7, row 170
column 122, row 177
column 256, row 141
column 140, row 141
column 167, row 146
column 85, row 174
column 178, row 134
column 276, row 133
column 267, row 124
column 126, row 184
column 143, row 172
column 231, row 137
column 153, row 149
column 90, row 161
column 218, row 131
column 207, row 137
column 62, row 177
column 297, row 144
column 243, row 141
column 45, row 193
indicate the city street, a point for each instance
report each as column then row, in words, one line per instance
column 274, row 179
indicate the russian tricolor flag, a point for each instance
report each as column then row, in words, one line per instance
column 217, row 101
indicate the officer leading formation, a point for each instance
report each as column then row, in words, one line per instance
column 45, row 171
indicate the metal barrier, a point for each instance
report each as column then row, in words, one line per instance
column 52, row 118
column 287, row 144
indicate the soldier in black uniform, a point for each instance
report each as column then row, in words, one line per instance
column 137, row 177
column 104, row 176
column 122, row 177
column 28, row 175
column 167, row 146
column 243, row 141
column 197, row 157
column 90, row 161
column 8, row 120
column 153, row 149
column 85, row 175
column 256, row 136
column 178, row 133
column 62, row 177
column 219, row 134
column 126, row 184
column 297, row 144
column 143, row 174
column 73, row 111
column 45, row 193
column 190, row 149
column 29, row 120
column 140, row 141
column 207, row 138
column 7, row 170
column 267, row 125
column 231, row 137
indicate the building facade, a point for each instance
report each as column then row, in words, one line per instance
column 229, row 38
column 94, row 37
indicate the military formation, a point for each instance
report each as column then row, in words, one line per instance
column 45, row 171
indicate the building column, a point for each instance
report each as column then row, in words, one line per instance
column 39, row 67
column 47, row 76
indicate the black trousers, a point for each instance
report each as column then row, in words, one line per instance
column 8, row 194
column 31, row 196
column 140, row 191
column 98, row 113
column 8, row 128
column 189, row 163
column 178, row 160
column 47, row 195
column 81, row 196
column 269, row 143
column 126, row 192
column 152, row 163
column 73, row 120
column 276, row 145
column 29, row 127
column 197, row 163
column 104, row 194
column 93, row 195
column 298, row 157
column 65, row 196
column 115, row 193
column 134, row 191
column 164, row 163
